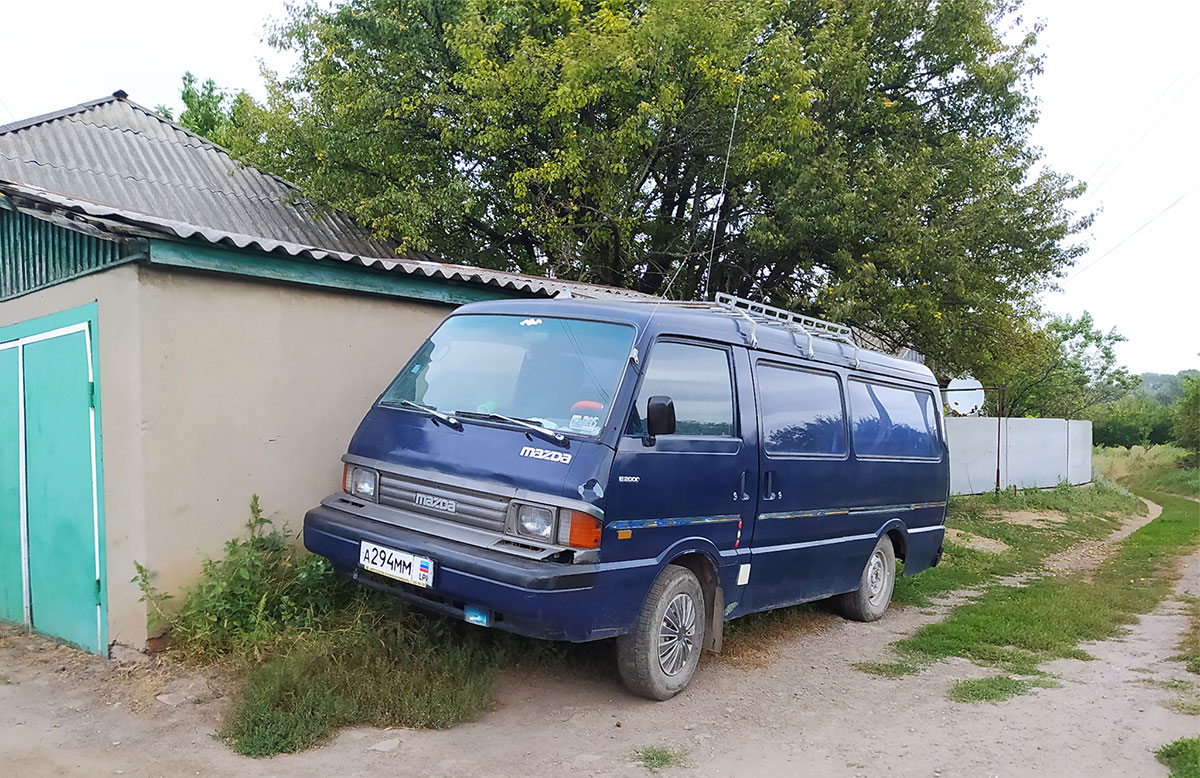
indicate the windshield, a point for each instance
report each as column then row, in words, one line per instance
column 558, row 373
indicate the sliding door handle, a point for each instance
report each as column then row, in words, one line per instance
column 769, row 492
column 741, row 493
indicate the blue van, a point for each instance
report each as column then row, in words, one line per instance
column 581, row 469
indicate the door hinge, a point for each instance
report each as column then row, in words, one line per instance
column 91, row 394
column 97, row 591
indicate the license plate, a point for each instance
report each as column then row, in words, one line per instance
column 416, row 570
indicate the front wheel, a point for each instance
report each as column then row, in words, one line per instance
column 658, row 658
column 875, row 585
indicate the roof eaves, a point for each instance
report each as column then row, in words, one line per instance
column 130, row 223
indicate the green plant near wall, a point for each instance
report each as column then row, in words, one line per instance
column 261, row 588
column 157, row 617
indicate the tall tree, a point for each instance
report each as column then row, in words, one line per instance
column 879, row 171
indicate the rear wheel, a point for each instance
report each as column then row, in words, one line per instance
column 658, row 658
column 874, row 586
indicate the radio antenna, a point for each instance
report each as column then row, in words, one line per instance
column 724, row 176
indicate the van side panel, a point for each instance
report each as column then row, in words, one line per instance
column 823, row 510
column 803, row 544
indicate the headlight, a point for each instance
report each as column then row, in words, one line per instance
column 361, row 482
column 535, row 522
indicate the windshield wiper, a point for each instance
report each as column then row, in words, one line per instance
column 549, row 434
column 433, row 413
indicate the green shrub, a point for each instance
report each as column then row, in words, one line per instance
column 263, row 587
column 317, row 652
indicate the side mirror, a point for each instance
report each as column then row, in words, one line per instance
column 660, row 417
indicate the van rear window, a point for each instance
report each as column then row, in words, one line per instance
column 801, row 412
column 892, row 422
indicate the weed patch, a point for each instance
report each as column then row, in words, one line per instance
column 995, row 689
column 383, row 665
column 658, row 757
column 888, row 669
column 262, row 590
column 1182, row 757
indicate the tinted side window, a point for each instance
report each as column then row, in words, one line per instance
column 801, row 412
column 893, row 422
column 698, row 380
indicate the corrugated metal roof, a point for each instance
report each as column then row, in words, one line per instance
column 116, row 152
column 114, row 162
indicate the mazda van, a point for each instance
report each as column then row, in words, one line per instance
column 581, row 469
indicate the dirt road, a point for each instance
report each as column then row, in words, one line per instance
column 809, row 713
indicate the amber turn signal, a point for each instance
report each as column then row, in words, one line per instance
column 584, row 531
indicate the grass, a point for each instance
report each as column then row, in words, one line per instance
column 1182, row 757
column 1189, row 644
column 1018, row 628
column 750, row 642
column 380, row 666
column 1074, row 515
column 655, row 758
column 995, row 689
column 1161, row 468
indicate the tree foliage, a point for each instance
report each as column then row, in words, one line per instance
column 1186, row 412
column 212, row 112
column 879, row 171
column 1064, row 367
column 1137, row 419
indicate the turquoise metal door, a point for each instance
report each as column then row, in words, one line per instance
column 50, row 520
column 12, row 577
column 64, row 584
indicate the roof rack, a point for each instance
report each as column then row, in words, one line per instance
column 778, row 318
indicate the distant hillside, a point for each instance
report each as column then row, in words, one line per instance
column 1163, row 387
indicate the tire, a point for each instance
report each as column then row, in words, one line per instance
column 658, row 658
column 870, row 601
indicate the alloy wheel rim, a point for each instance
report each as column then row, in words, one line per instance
column 677, row 634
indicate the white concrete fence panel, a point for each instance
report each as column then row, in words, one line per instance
column 1032, row 453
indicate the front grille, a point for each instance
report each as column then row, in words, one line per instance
column 429, row 498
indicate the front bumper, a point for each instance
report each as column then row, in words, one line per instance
column 549, row 600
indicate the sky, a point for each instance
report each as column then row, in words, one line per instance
column 1119, row 104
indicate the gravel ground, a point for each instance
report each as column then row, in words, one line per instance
column 809, row 712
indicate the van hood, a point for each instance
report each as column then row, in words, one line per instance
column 485, row 451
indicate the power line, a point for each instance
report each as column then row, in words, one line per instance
column 1148, row 222
column 1135, row 125
column 1093, row 190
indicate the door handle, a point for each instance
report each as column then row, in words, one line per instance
column 769, row 492
column 741, row 494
